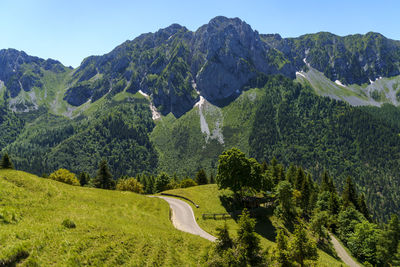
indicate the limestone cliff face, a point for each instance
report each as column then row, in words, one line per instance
column 18, row 71
column 174, row 66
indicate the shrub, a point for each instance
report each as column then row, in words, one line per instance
column 14, row 255
column 64, row 176
column 130, row 184
column 187, row 183
column 67, row 223
column 8, row 216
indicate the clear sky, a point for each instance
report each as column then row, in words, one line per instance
column 70, row 30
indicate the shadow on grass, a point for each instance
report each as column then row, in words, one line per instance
column 263, row 226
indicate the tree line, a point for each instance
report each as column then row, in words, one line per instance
column 143, row 183
column 310, row 208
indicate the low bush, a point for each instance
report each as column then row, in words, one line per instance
column 130, row 184
column 67, row 223
column 64, row 176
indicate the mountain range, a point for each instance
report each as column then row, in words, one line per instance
column 173, row 100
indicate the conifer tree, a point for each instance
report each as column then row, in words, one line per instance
column 325, row 183
column 201, row 177
column 104, row 177
column 212, row 179
column 302, row 248
column 281, row 252
column 161, row 182
column 299, row 179
column 6, row 162
column 306, row 191
column 83, row 178
column 349, row 194
column 224, row 241
column 333, row 204
column 363, row 206
column 149, row 189
column 291, row 174
column 264, row 166
column 248, row 244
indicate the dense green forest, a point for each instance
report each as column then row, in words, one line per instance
column 294, row 125
column 120, row 134
column 307, row 206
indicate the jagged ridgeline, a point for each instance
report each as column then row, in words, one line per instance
column 173, row 100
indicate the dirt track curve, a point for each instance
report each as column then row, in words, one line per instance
column 342, row 253
column 183, row 218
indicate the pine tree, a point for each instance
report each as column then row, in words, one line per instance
column 161, row 182
column 291, row 174
column 363, row 206
column 349, row 194
column 149, row 189
column 326, row 182
column 302, row 248
column 248, row 244
column 299, row 179
column 264, row 166
column 6, row 162
column 224, row 241
column 306, row 191
column 333, row 204
column 281, row 252
column 83, row 178
column 212, row 179
column 104, row 178
column 201, row 177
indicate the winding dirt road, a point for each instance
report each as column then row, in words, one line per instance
column 342, row 253
column 183, row 218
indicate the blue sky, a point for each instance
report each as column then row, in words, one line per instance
column 71, row 30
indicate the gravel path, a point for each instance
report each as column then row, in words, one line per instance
column 342, row 253
column 183, row 218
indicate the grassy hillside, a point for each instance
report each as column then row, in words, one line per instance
column 373, row 93
column 209, row 201
column 195, row 140
column 112, row 228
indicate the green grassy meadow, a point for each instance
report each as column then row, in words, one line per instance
column 112, row 228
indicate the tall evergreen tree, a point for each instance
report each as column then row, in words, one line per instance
column 264, row 166
column 6, row 162
column 248, row 244
column 350, row 194
column 104, row 177
column 362, row 206
column 291, row 174
column 306, row 191
column 299, row 179
column 212, row 179
column 161, row 182
column 302, row 248
column 333, row 204
column 224, row 241
column 83, row 178
column 327, row 183
column 201, row 177
column 281, row 252
column 149, row 189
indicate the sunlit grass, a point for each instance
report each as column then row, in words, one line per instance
column 112, row 228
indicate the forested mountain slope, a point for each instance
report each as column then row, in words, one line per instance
column 173, row 100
